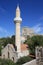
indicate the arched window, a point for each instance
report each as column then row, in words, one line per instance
column 8, row 55
column 4, row 56
column 13, row 58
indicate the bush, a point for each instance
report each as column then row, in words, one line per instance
column 23, row 60
column 6, row 62
column 20, row 61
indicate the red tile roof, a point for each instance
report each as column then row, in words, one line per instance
column 24, row 47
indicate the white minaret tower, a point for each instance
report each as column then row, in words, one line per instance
column 17, row 21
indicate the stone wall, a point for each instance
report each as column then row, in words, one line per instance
column 39, row 55
column 9, row 53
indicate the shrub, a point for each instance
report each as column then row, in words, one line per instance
column 6, row 62
column 23, row 60
column 20, row 61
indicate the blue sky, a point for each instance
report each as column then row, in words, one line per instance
column 31, row 13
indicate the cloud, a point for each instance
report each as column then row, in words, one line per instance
column 41, row 18
column 38, row 28
column 3, row 32
column 3, row 10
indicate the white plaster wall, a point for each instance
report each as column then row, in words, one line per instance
column 23, row 39
column 24, row 53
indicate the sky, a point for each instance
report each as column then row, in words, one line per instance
column 31, row 14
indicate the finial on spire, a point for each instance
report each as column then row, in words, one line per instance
column 18, row 7
column 18, row 4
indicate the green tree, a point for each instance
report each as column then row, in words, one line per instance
column 13, row 39
column 33, row 42
column 6, row 62
column 0, row 48
column 23, row 60
column 7, row 40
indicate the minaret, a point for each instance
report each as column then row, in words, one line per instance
column 17, row 21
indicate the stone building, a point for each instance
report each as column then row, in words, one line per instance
column 39, row 55
column 27, row 32
column 9, row 53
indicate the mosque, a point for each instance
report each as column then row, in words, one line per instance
column 9, row 52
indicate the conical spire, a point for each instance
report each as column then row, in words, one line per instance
column 18, row 17
column 17, row 11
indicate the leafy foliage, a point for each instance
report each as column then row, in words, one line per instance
column 20, row 61
column 33, row 42
column 0, row 49
column 6, row 62
column 23, row 60
column 5, row 41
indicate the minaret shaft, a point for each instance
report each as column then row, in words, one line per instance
column 18, row 40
